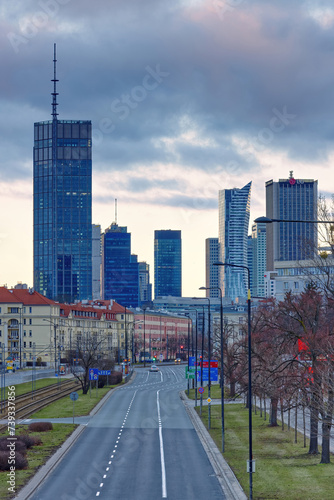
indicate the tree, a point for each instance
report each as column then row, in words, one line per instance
column 89, row 351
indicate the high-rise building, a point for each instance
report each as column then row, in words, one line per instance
column 120, row 269
column 63, row 206
column 167, row 263
column 96, row 261
column 234, row 211
column 145, row 287
column 259, row 259
column 291, row 199
column 211, row 271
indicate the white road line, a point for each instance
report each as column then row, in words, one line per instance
column 162, row 456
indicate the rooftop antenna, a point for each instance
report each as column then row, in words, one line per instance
column 54, row 93
column 115, row 210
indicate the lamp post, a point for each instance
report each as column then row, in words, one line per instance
column 144, row 338
column 222, row 381
column 196, row 355
column 209, row 360
column 268, row 220
column 249, row 374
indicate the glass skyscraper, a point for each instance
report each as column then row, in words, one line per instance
column 291, row 199
column 167, row 263
column 234, row 211
column 63, row 207
column 120, row 269
column 211, row 271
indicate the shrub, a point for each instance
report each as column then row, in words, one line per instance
column 20, row 461
column 20, row 446
column 40, row 426
column 37, row 440
column 115, row 378
column 29, row 441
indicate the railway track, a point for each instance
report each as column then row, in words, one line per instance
column 27, row 404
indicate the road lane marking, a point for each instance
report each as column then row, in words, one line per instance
column 162, row 455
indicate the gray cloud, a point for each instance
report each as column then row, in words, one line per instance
column 225, row 77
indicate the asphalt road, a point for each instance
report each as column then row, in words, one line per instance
column 140, row 445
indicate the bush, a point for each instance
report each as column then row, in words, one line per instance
column 40, row 426
column 29, row 441
column 115, row 378
column 20, row 446
column 20, row 461
column 37, row 440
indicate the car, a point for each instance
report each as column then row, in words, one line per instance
column 154, row 368
column 178, row 360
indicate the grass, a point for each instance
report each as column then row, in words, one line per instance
column 36, row 456
column 64, row 407
column 26, row 386
column 215, row 392
column 284, row 470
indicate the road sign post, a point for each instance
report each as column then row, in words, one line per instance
column 74, row 396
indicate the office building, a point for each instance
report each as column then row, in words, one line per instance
column 63, row 207
column 167, row 263
column 145, row 287
column 234, row 211
column 211, row 271
column 96, row 261
column 259, row 259
column 291, row 199
column 120, row 269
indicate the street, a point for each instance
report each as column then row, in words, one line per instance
column 140, row 445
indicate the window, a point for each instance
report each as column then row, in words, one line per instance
column 30, row 344
column 24, row 321
column 24, row 333
column 296, row 285
column 30, row 333
column 30, row 309
column 286, row 285
column 24, row 344
column 30, row 321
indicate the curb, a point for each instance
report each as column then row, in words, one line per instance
column 35, row 481
column 228, row 482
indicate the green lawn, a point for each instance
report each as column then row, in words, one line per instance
column 26, row 386
column 36, row 456
column 64, row 407
column 284, row 470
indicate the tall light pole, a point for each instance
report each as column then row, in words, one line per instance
column 209, row 359
column 222, row 381
column 267, row 220
column 249, row 375
column 144, row 308
column 196, row 354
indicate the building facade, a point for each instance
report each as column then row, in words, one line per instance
column 167, row 263
column 211, row 271
column 259, row 259
column 62, row 203
column 96, row 261
column 234, row 211
column 291, row 199
column 145, row 287
column 120, row 269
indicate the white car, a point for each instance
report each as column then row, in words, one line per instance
column 154, row 368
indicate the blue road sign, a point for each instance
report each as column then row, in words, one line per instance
column 213, row 375
column 192, row 360
column 104, row 372
column 93, row 374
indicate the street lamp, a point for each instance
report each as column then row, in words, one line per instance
column 249, row 374
column 196, row 354
column 268, row 220
column 209, row 359
column 222, row 382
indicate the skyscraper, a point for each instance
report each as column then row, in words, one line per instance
column 96, row 261
column 145, row 286
column 63, row 206
column 120, row 269
column 291, row 199
column 211, row 271
column 259, row 259
column 234, row 211
column 167, row 263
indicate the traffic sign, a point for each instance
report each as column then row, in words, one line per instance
column 93, row 374
column 201, row 390
column 213, row 375
column 74, row 396
column 104, row 372
column 209, row 400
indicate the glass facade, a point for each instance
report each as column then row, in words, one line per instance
column 234, row 211
column 167, row 263
column 120, row 269
column 63, row 209
column 291, row 199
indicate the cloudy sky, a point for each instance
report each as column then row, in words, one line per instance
column 186, row 97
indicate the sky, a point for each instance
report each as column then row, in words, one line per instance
column 186, row 97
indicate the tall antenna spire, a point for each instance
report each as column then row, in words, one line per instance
column 116, row 210
column 54, row 93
